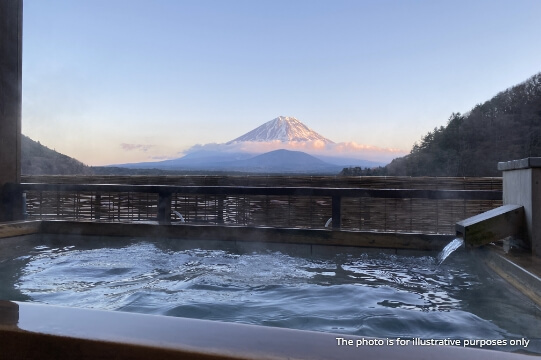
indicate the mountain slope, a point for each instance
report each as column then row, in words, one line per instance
column 277, row 161
column 198, row 160
column 236, row 155
column 37, row 159
column 506, row 127
column 284, row 161
column 284, row 129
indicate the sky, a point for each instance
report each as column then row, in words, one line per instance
column 119, row 81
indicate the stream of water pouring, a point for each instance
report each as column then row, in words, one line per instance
column 449, row 249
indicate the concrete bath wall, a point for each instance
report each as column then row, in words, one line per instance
column 522, row 186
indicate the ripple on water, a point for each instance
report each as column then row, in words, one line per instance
column 383, row 295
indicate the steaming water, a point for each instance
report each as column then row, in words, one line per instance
column 363, row 294
column 449, row 249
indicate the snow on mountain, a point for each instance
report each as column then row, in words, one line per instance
column 256, row 152
column 283, row 128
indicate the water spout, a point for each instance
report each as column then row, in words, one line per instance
column 449, row 249
column 179, row 215
column 493, row 225
column 328, row 222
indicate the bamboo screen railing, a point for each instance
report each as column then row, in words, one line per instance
column 396, row 211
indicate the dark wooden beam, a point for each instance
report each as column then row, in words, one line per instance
column 275, row 191
column 164, row 208
column 11, row 17
column 336, row 212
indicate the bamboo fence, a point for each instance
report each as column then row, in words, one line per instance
column 363, row 213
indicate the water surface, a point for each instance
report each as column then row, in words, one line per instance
column 370, row 294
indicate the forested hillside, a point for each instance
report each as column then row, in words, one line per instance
column 507, row 127
column 37, row 159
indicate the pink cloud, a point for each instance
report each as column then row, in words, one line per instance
column 161, row 157
column 131, row 147
column 316, row 147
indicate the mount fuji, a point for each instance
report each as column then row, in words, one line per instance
column 233, row 156
column 283, row 128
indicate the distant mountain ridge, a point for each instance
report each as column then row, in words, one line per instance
column 284, row 161
column 277, row 161
column 40, row 160
column 283, row 128
column 37, row 159
column 506, row 127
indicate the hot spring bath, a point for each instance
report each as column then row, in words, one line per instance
column 375, row 293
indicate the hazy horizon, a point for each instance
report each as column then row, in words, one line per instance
column 130, row 81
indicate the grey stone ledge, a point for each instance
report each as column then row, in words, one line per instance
column 531, row 162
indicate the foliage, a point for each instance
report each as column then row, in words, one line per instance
column 506, row 127
column 37, row 159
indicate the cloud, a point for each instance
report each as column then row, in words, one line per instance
column 161, row 157
column 315, row 147
column 131, row 147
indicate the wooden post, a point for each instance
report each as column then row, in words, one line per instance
column 336, row 212
column 11, row 17
column 164, row 208
column 220, row 217
column 11, row 199
column 97, row 206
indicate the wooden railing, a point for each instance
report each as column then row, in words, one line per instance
column 406, row 210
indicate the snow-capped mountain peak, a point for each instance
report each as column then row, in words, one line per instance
column 283, row 128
